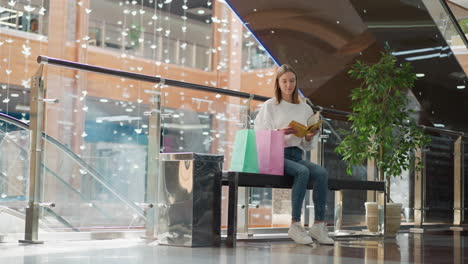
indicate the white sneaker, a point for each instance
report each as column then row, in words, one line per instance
column 320, row 233
column 299, row 234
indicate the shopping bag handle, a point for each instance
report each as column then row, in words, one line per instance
column 248, row 118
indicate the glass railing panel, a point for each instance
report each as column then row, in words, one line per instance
column 267, row 206
column 438, row 203
column 101, row 121
column 84, row 199
column 195, row 121
column 265, row 209
column 14, row 175
column 14, row 179
column 214, row 119
column 14, row 146
column 401, row 188
column 353, row 200
column 332, row 130
column 192, row 121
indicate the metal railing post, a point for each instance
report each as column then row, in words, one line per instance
column 36, row 124
column 154, row 149
column 244, row 192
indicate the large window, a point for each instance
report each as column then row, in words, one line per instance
column 25, row 15
column 173, row 32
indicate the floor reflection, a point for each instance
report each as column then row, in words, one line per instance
column 370, row 250
column 429, row 247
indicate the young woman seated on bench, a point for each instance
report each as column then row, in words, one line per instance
column 277, row 113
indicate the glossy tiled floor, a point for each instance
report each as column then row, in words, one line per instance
column 430, row 247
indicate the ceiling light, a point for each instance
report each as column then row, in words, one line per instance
column 116, row 118
column 152, row 92
column 460, row 87
column 199, row 11
column 397, row 53
column 186, row 126
column 23, row 108
column 423, row 57
column 420, row 75
column 439, row 125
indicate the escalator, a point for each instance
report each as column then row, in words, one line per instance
column 69, row 208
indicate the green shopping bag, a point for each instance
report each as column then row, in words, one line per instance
column 244, row 155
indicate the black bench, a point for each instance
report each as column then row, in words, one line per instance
column 244, row 179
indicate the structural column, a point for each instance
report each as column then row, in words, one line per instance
column 418, row 192
column 458, row 182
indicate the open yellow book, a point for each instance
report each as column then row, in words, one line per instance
column 302, row 130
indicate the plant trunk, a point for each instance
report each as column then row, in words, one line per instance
column 387, row 185
column 382, row 175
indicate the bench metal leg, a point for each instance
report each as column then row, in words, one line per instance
column 243, row 204
column 232, row 210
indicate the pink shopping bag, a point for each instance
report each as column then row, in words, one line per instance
column 270, row 150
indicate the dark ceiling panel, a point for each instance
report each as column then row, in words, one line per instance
column 321, row 39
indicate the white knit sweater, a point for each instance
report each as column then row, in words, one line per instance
column 275, row 116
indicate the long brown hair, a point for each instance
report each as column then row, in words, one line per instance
column 282, row 70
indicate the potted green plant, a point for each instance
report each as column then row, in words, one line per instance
column 134, row 34
column 381, row 126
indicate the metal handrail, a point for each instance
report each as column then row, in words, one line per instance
column 445, row 131
column 154, row 79
column 143, row 77
column 194, row 86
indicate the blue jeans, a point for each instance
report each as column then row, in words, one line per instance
column 302, row 171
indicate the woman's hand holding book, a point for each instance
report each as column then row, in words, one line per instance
column 288, row 130
column 309, row 136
